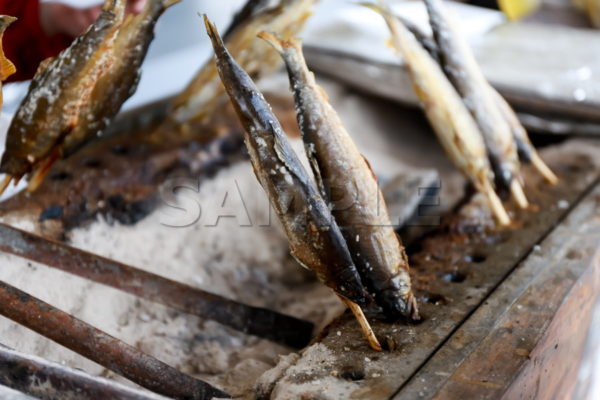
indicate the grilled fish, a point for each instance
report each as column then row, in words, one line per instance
column 205, row 93
column 344, row 175
column 314, row 237
column 462, row 69
column 453, row 123
column 58, row 94
column 120, row 81
column 525, row 149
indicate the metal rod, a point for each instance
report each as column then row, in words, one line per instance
column 257, row 321
column 100, row 347
column 44, row 379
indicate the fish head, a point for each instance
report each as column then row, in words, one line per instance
column 398, row 304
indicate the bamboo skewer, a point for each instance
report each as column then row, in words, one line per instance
column 517, row 192
column 365, row 327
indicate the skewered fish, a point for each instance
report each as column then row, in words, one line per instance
column 460, row 66
column 452, row 122
column 74, row 96
column 314, row 237
column 61, row 89
column 527, row 153
column 205, row 93
column 344, row 176
column 120, row 81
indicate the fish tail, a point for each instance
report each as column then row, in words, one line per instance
column 7, row 68
column 213, row 34
column 278, row 43
column 5, row 22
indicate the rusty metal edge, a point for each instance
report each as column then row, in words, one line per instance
column 262, row 322
column 40, row 378
column 100, row 347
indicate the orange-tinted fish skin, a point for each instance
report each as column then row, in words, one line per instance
column 314, row 237
column 58, row 92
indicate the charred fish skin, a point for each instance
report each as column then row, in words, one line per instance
column 120, row 81
column 57, row 93
column 461, row 68
column 315, row 239
column 526, row 150
column 335, row 160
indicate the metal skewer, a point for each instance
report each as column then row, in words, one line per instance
column 100, row 347
column 257, row 321
column 44, row 379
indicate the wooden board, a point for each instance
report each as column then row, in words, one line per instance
column 526, row 340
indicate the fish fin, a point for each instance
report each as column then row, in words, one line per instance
column 272, row 39
column 212, row 32
column 278, row 43
column 7, row 68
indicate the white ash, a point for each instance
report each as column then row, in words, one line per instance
column 248, row 263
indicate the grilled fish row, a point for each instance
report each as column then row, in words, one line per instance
column 475, row 125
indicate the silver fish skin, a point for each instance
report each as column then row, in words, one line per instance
column 344, row 176
column 315, row 239
column 462, row 69
column 452, row 122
